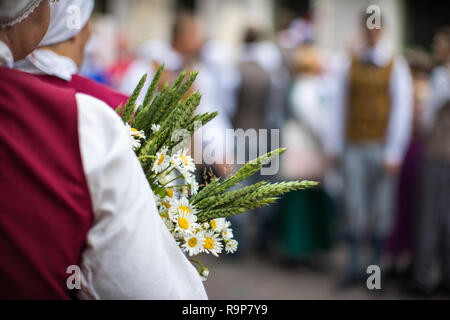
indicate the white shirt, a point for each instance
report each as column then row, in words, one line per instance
column 130, row 254
column 309, row 101
column 401, row 91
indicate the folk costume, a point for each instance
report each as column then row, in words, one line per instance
column 74, row 196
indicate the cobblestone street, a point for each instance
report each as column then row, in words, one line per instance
column 256, row 278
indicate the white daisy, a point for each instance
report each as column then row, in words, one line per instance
column 163, row 179
column 181, row 204
column 227, row 233
column 169, row 224
column 136, row 144
column 185, row 222
column 155, row 127
column 204, row 273
column 165, row 204
column 137, row 134
column 212, row 243
column 183, row 161
column 205, row 225
column 193, row 244
column 162, row 161
column 170, row 193
column 192, row 182
column 217, row 224
column 231, row 246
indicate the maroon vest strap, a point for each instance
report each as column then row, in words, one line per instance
column 45, row 205
column 88, row 86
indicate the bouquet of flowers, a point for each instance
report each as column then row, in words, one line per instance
column 195, row 217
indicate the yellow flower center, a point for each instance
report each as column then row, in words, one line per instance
column 166, row 204
column 192, row 242
column 183, row 223
column 134, row 130
column 213, row 224
column 185, row 160
column 170, row 193
column 184, row 209
column 208, row 244
column 161, row 159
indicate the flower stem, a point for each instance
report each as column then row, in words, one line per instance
column 146, row 157
column 176, row 178
column 179, row 185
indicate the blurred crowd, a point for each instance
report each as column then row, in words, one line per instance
column 372, row 125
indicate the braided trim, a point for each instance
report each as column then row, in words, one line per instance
column 25, row 13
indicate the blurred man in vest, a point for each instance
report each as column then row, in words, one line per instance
column 370, row 133
column 74, row 199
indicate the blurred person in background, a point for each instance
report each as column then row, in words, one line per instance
column 306, row 215
column 124, row 60
column 433, row 229
column 400, row 244
column 60, row 54
column 94, row 65
column 371, row 130
column 178, row 54
column 254, row 88
column 292, row 32
column 251, row 109
column 259, row 105
column 149, row 56
column 187, row 50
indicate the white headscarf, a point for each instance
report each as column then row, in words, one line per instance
column 67, row 19
column 14, row 12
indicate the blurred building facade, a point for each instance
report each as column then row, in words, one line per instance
column 335, row 22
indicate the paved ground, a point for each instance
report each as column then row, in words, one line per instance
column 258, row 278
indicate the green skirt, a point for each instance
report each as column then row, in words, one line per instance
column 306, row 225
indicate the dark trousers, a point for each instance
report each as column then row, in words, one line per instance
column 433, row 228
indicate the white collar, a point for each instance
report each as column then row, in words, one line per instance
column 381, row 53
column 6, row 56
column 43, row 61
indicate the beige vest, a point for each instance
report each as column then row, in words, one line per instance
column 369, row 102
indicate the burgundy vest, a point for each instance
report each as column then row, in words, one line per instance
column 45, row 205
column 85, row 85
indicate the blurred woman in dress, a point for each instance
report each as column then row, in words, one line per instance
column 306, row 215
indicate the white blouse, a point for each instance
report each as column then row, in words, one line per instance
column 130, row 254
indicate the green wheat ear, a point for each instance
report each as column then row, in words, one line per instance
column 170, row 109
